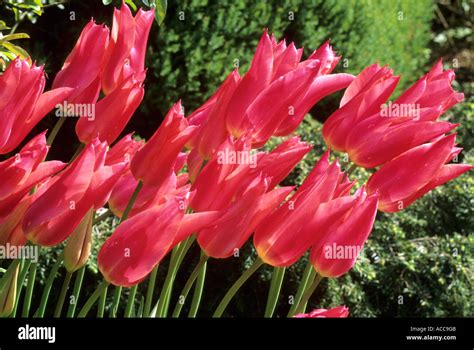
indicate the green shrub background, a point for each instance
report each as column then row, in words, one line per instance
column 416, row 263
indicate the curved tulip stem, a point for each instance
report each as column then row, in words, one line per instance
column 177, row 256
column 62, row 295
column 47, row 287
column 198, row 290
column 93, row 298
column 236, row 286
column 351, row 169
column 78, row 151
column 131, row 201
column 102, row 217
column 149, row 291
column 102, row 300
column 25, row 266
column 308, row 277
column 76, row 291
column 308, row 293
column 29, row 289
column 131, row 301
column 274, row 292
column 55, row 131
column 189, row 283
column 115, row 301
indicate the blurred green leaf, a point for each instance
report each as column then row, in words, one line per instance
column 161, row 7
column 3, row 25
column 14, row 36
column 131, row 4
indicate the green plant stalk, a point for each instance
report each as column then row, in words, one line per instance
column 351, row 169
column 236, row 286
column 21, row 280
column 47, row 287
column 198, row 290
column 102, row 217
column 118, row 290
column 92, row 299
column 149, row 291
column 274, row 292
column 177, row 257
column 62, row 295
column 308, row 277
column 102, row 300
column 308, row 293
column 189, row 283
column 76, row 291
column 180, row 257
column 141, row 307
column 29, row 290
column 55, row 131
column 78, row 151
column 131, row 301
column 115, row 301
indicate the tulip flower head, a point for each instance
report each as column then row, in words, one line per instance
column 156, row 160
column 23, row 103
column 342, row 238
column 278, row 90
column 125, row 54
column 18, row 175
column 416, row 172
column 289, row 231
column 82, row 67
column 60, row 206
column 373, row 131
column 142, row 241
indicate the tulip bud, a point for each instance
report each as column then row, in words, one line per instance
column 8, row 289
column 78, row 247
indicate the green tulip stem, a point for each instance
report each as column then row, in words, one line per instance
column 236, row 286
column 189, row 283
column 274, row 292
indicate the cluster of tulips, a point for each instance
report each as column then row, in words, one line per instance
column 202, row 178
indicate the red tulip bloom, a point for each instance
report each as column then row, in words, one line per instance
column 278, row 90
column 236, row 223
column 124, row 150
column 142, row 241
column 336, row 312
column 82, row 67
column 61, row 205
column 288, row 232
column 18, row 175
column 234, row 166
column 342, row 233
column 212, row 130
column 148, row 196
column 125, row 54
column 112, row 113
column 364, row 120
column 416, row 172
column 154, row 163
column 23, row 103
